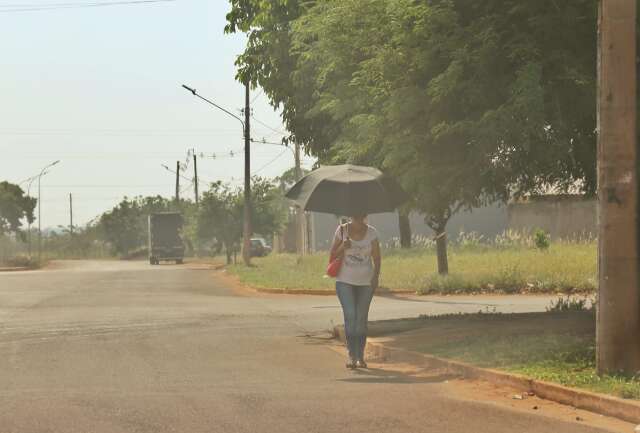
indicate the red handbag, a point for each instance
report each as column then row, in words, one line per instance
column 335, row 262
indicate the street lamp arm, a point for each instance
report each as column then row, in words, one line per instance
column 48, row 166
column 174, row 172
column 193, row 91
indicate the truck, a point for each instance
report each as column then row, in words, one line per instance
column 165, row 238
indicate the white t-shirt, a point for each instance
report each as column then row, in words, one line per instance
column 357, row 264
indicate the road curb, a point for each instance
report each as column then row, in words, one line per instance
column 317, row 292
column 601, row 404
column 321, row 292
column 15, row 269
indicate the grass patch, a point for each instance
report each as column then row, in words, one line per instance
column 555, row 347
column 283, row 271
column 562, row 268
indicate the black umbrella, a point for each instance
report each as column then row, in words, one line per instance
column 347, row 190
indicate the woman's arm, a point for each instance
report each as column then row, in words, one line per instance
column 377, row 264
column 340, row 244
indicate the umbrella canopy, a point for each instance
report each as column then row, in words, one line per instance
column 347, row 190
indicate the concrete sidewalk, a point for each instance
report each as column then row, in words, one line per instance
column 430, row 342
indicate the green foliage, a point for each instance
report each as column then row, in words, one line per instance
column 220, row 217
column 463, row 101
column 125, row 226
column 542, row 239
column 15, row 207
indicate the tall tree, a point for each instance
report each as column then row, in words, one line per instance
column 15, row 207
column 457, row 98
column 220, row 218
column 466, row 102
column 220, row 215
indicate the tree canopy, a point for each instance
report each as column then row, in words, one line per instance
column 220, row 216
column 465, row 102
column 125, row 226
column 15, row 207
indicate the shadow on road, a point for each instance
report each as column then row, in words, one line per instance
column 378, row 375
column 317, row 338
column 392, row 296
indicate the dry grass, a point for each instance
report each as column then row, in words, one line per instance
column 563, row 268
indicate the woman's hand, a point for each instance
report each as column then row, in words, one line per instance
column 346, row 244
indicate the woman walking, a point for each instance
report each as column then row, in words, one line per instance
column 357, row 244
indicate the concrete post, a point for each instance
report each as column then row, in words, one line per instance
column 618, row 317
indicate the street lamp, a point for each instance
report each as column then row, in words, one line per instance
column 246, row 130
column 42, row 172
column 31, row 180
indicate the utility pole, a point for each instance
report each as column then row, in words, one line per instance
column 195, row 176
column 246, row 129
column 42, row 173
column 300, row 217
column 246, row 232
column 177, row 182
column 71, row 214
column 29, row 221
column 618, row 311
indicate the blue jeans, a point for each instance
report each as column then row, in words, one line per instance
column 355, row 301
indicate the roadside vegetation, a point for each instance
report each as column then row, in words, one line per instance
column 554, row 346
column 210, row 228
column 511, row 263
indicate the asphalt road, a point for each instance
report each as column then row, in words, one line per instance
column 126, row 347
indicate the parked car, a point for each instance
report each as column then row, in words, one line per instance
column 259, row 248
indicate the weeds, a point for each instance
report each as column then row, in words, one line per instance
column 564, row 304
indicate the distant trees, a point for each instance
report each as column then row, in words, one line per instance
column 125, row 226
column 15, row 208
column 216, row 223
column 465, row 102
column 220, row 216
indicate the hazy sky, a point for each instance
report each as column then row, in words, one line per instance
column 99, row 89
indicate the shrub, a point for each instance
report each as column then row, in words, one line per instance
column 509, row 279
column 541, row 240
column 20, row 262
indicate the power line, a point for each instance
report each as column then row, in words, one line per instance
column 270, row 162
column 57, row 6
column 104, row 186
column 277, row 131
column 256, row 97
column 118, row 132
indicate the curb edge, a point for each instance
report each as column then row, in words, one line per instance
column 601, row 404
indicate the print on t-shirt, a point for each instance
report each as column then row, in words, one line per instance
column 357, row 256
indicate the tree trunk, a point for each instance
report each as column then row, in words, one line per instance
column 405, row 230
column 441, row 248
column 228, row 252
